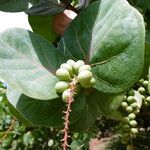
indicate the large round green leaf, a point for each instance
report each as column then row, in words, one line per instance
column 29, row 62
column 109, row 35
column 108, row 103
column 98, row 103
column 88, row 116
column 13, row 5
column 43, row 113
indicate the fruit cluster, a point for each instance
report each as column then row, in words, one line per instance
column 143, row 90
column 72, row 74
column 128, row 125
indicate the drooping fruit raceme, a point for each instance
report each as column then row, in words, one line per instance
column 143, row 90
column 128, row 125
column 71, row 75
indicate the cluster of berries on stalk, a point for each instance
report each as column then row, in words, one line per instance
column 74, row 74
column 128, row 125
column 143, row 90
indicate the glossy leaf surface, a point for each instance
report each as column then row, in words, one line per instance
column 109, row 35
column 29, row 62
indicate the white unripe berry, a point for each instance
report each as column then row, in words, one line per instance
column 129, row 109
column 141, row 90
column 148, row 99
column 145, row 83
column 124, row 105
column 85, row 67
column 131, row 99
column 134, row 130
column 61, row 86
column 92, row 81
column 84, row 77
column 77, row 65
column 131, row 116
column 71, row 62
column 67, row 67
column 66, row 94
column 134, row 105
column 133, row 123
column 63, row 74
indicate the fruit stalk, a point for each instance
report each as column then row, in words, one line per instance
column 67, row 113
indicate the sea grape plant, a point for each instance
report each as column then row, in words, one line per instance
column 109, row 36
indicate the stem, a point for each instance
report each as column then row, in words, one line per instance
column 66, row 128
column 69, row 6
column 67, row 114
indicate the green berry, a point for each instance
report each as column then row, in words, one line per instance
column 61, row 86
column 146, row 103
column 71, row 62
column 66, row 94
column 77, row 65
column 131, row 116
column 126, row 135
column 141, row 81
column 134, row 130
column 63, row 74
column 92, row 81
column 124, row 98
column 131, row 99
column 129, row 147
column 133, row 123
column 148, row 99
column 125, row 120
column 141, row 90
column 131, row 92
column 86, row 85
column 124, row 141
column 129, row 109
column 125, row 138
column 67, row 67
column 85, row 76
column 145, row 83
column 143, row 97
column 134, row 105
column 84, row 67
column 124, row 105
column 125, row 127
column 136, row 111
